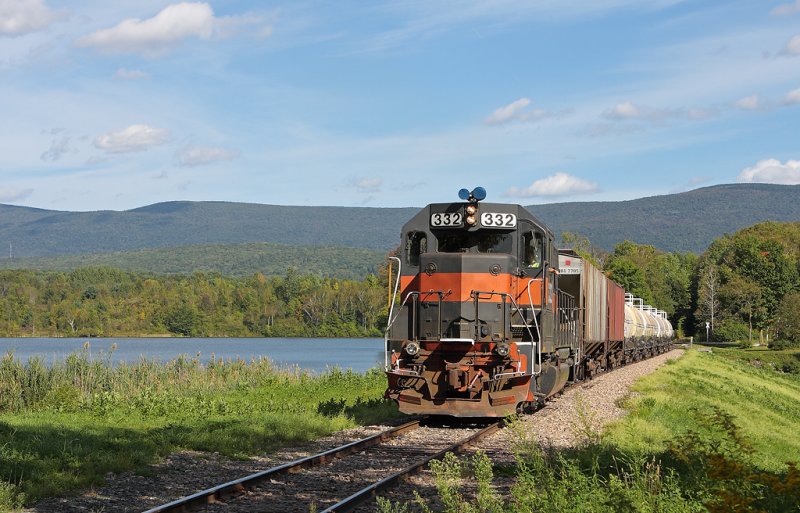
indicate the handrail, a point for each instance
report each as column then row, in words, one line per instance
column 394, row 293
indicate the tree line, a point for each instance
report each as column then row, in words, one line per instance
column 92, row 302
column 746, row 285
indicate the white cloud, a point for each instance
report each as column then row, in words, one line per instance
column 559, row 184
column 786, row 9
column 792, row 47
column 368, row 184
column 792, row 97
column 155, row 35
column 200, row 155
column 517, row 111
column 19, row 17
column 133, row 138
column 507, row 112
column 752, row 102
column 131, row 74
column 627, row 111
column 772, row 171
column 13, row 194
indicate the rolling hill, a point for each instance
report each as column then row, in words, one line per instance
column 686, row 221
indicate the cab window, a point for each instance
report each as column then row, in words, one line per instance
column 416, row 244
column 533, row 245
column 470, row 242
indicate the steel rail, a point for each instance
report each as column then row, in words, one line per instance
column 372, row 490
column 238, row 486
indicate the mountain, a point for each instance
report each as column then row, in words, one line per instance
column 686, row 221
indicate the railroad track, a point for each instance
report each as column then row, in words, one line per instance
column 339, row 479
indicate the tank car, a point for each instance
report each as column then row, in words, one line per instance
column 488, row 317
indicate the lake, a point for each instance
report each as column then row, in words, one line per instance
column 315, row 354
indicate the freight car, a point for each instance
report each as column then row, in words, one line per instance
column 491, row 318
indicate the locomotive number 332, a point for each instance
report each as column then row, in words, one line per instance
column 496, row 220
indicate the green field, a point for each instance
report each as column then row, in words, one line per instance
column 63, row 428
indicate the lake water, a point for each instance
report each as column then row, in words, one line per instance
column 315, row 354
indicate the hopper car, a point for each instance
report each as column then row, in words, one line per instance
column 488, row 317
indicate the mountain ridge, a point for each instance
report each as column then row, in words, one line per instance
column 686, row 221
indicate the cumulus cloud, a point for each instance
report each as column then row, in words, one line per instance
column 18, row 17
column 518, row 111
column 792, row 97
column 559, row 184
column 153, row 35
column 133, row 138
column 58, row 148
column 368, row 184
column 14, row 194
column 786, row 9
column 792, row 48
column 130, row 74
column 752, row 102
column 625, row 110
column 175, row 23
column 772, row 171
column 507, row 112
column 200, row 155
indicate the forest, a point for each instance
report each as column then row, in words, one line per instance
column 746, row 286
column 103, row 302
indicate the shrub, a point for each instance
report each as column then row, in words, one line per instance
column 731, row 331
column 781, row 345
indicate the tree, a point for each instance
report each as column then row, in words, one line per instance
column 708, row 295
column 743, row 297
column 787, row 318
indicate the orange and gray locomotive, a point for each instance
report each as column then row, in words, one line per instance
column 488, row 317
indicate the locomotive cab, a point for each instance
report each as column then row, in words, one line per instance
column 473, row 333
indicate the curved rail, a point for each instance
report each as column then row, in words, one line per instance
column 238, row 486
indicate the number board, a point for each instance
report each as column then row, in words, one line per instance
column 445, row 219
column 498, row 220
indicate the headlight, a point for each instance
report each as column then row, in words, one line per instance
column 412, row 348
column 502, row 349
column 471, row 210
column 471, row 220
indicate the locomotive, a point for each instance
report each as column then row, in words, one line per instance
column 492, row 319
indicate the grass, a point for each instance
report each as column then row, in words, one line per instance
column 706, row 432
column 63, row 428
column 764, row 404
column 785, row 360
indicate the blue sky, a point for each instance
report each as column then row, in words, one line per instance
column 116, row 105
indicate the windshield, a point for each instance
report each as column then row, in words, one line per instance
column 481, row 242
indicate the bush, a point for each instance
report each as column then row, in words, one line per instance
column 731, row 331
column 781, row 345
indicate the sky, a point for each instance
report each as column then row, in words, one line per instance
column 118, row 105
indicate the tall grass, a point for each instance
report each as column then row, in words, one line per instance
column 63, row 427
